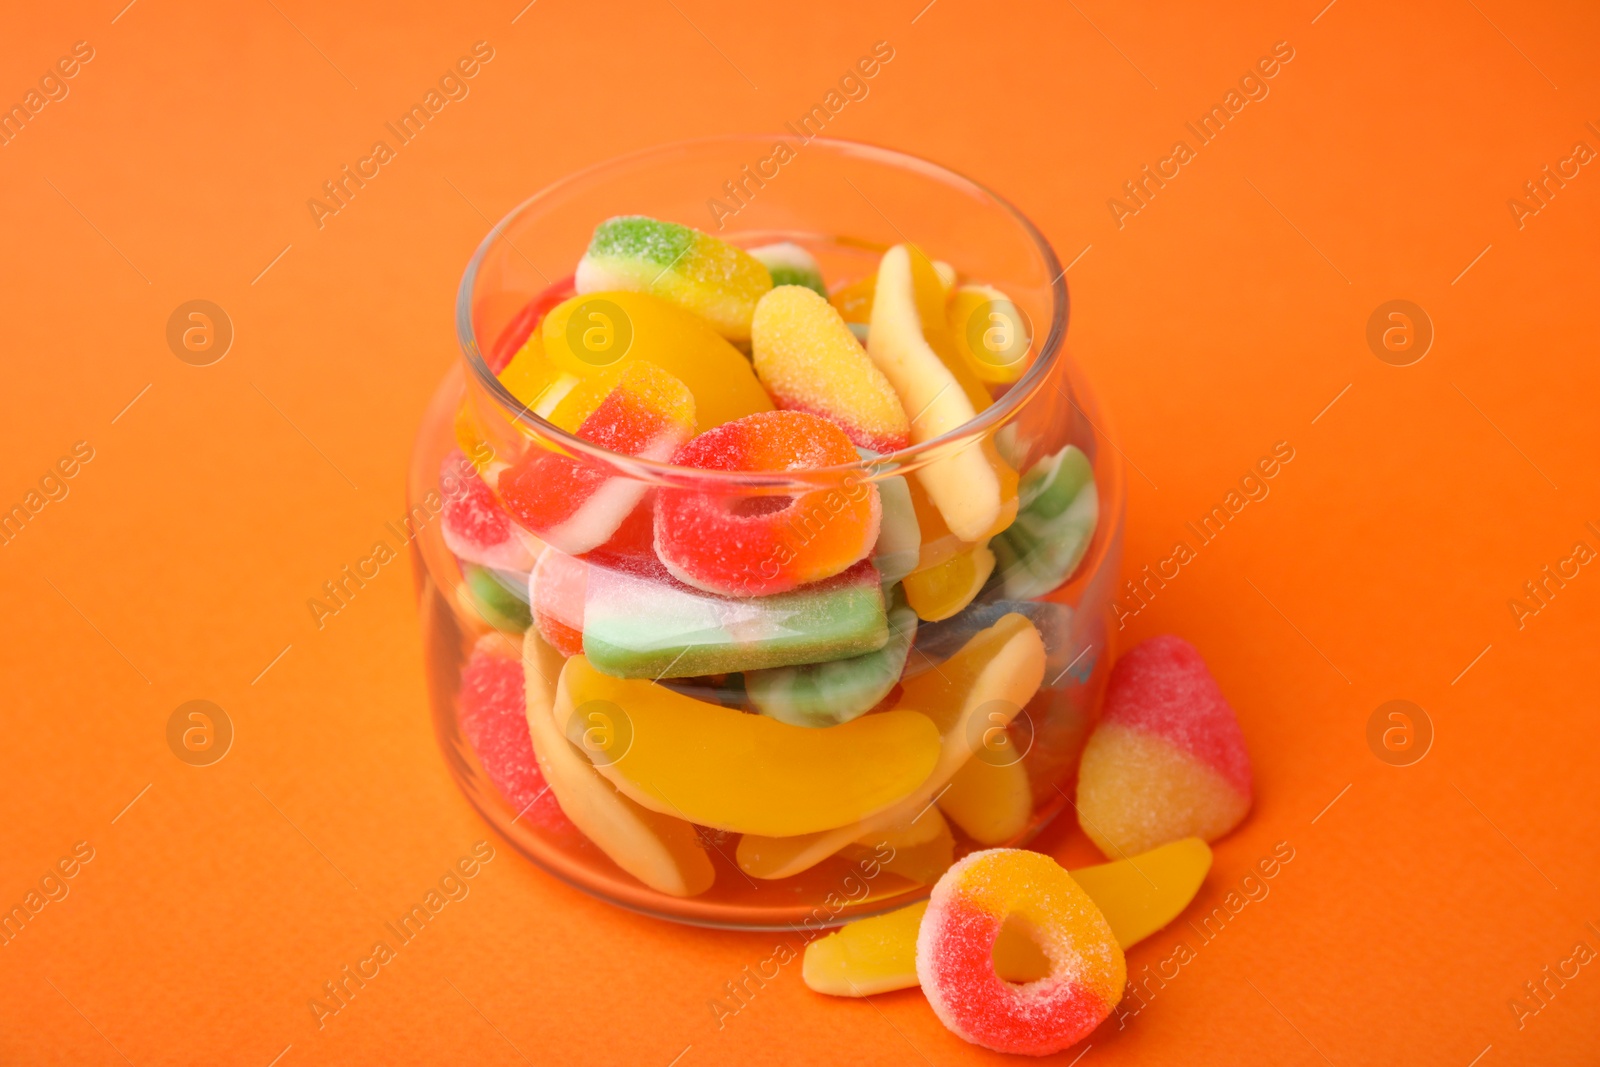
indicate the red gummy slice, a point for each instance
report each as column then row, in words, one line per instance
column 577, row 503
column 492, row 710
column 476, row 527
column 755, row 546
column 1162, row 686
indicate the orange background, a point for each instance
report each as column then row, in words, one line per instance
column 1221, row 319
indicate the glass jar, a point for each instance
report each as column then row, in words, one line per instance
column 716, row 822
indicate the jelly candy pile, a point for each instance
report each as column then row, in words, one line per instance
column 723, row 618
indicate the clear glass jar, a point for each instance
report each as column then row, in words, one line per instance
column 845, row 203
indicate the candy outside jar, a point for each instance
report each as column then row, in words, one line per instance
column 691, row 645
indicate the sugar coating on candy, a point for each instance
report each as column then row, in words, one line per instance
column 576, row 503
column 790, row 264
column 955, row 961
column 691, row 269
column 556, row 590
column 476, row 528
column 640, row 622
column 492, row 711
column 1167, row 760
column 758, row 546
column 1161, row 686
column 810, row 361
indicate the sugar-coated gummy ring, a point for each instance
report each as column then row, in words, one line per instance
column 757, row 546
column 955, row 961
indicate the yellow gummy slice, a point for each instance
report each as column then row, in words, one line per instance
column 659, row 850
column 939, row 592
column 984, row 314
column 990, row 801
column 929, row 289
column 1137, row 896
column 615, row 328
column 996, row 672
column 744, row 773
column 921, row 850
column 936, row 390
column 854, row 301
column 529, row 373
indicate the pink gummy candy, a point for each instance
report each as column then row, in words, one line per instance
column 493, row 714
column 476, row 528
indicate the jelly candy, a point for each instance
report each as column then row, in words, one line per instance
column 938, row 543
column 790, row 264
column 639, row 622
column 810, row 361
column 910, row 343
column 1168, row 759
column 990, row 801
column 587, row 334
column 661, row 851
column 476, row 528
column 996, row 672
column 827, row 693
column 523, row 326
column 1137, row 896
column 854, row 301
column 699, row 273
column 1056, row 515
column 919, row 852
column 530, row 377
column 955, row 954
column 989, row 333
column 489, row 596
column 938, row 641
column 556, row 590
column 722, row 768
column 575, row 503
column 899, row 543
column 491, row 714
column 939, row 592
column 757, row 546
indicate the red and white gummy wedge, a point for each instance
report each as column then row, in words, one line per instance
column 577, row 503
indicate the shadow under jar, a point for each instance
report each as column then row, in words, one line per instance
column 691, row 769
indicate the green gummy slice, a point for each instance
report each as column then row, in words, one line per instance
column 790, row 264
column 641, row 239
column 636, row 626
column 826, row 694
column 1057, row 512
column 899, row 535
column 499, row 606
column 794, row 276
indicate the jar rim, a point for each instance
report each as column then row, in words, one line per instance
column 906, row 459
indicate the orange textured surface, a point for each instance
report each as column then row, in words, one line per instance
column 1222, row 317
